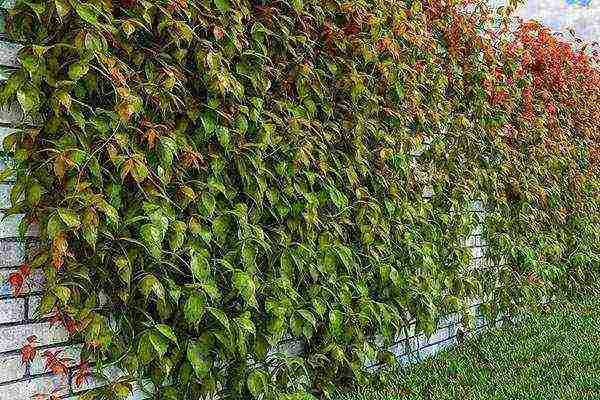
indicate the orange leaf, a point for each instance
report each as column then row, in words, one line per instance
column 59, row 250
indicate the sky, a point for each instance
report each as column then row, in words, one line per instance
column 583, row 16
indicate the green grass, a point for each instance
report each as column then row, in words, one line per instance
column 553, row 354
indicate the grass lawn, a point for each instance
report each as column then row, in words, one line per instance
column 554, row 354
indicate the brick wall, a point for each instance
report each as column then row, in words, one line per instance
column 18, row 319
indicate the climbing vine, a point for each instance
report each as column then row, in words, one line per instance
column 212, row 178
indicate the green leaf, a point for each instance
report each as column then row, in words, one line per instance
column 220, row 316
column 298, row 5
column 241, row 123
column 193, row 310
column 178, row 229
column 245, row 323
column 77, row 70
column 222, row 5
column 6, row 173
column 208, row 201
column 64, row 98
column 152, row 238
column 336, row 319
column 249, row 254
column 69, row 217
column 196, row 355
column 309, row 317
column 54, row 226
column 150, row 284
column 145, row 350
column 199, row 264
column 62, row 7
column 256, row 382
column 159, row 343
column 167, row 148
column 139, row 171
column 184, row 30
column 34, row 194
column 209, row 122
column 62, row 292
column 38, row 8
column 337, row 197
column 220, row 226
column 109, row 210
column 124, row 269
column 244, row 283
column 87, row 12
column 211, row 289
column 168, row 332
column 223, row 136
column 29, row 98
column 395, row 276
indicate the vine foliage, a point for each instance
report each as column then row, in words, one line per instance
column 214, row 177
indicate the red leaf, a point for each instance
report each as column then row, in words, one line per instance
column 218, row 32
column 16, row 282
column 55, row 364
column 28, row 353
column 82, row 373
column 25, row 270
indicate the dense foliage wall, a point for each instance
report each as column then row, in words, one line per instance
column 213, row 177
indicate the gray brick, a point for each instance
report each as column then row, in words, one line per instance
column 428, row 351
column 12, row 113
column 422, row 341
column 439, row 335
column 8, row 53
column 11, row 368
column 4, row 132
column 294, row 347
column 403, row 347
column 448, row 343
column 9, row 227
column 34, row 302
column 410, row 329
column 398, row 349
column 12, row 310
column 477, row 252
column 404, row 360
column 8, row 4
column 13, row 253
column 5, row 195
column 471, row 241
column 25, row 390
column 480, row 322
column 13, row 337
column 452, row 330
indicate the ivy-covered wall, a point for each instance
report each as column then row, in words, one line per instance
column 21, row 380
column 211, row 177
column 21, row 326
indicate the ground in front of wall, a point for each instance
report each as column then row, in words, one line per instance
column 553, row 354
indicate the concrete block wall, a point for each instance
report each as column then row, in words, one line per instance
column 18, row 320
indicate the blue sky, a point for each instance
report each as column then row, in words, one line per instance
column 583, row 16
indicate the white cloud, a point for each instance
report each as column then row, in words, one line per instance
column 562, row 16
